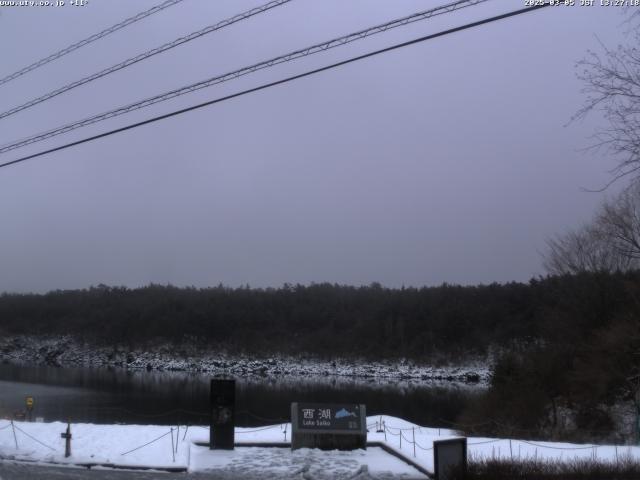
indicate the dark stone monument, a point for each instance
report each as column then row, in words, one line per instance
column 223, row 402
column 448, row 454
column 328, row 426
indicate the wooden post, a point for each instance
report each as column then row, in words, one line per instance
column 15, row 439
column 173, row 452
column 413, row 431
column 67, row 440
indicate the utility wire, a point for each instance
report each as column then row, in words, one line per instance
column 88, row 40
column 282, row 81
column 143, row 56
column 336, row 42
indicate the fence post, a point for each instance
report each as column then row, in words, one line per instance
column 177, row 438
column 15, row 439
column 67, row 442
column 511, row 449
column 384, row 427
column 413, row 431
column 400, row 439
column 172, row 448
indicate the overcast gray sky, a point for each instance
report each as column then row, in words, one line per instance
column 447, row 161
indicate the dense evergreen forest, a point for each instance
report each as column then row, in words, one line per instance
column 330, row 320
column 567, row 342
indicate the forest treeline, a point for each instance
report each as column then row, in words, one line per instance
column 334, row 320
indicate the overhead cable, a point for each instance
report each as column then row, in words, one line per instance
column 143, row 56
column 88, row 40
column 279, row 82
column 320, row 47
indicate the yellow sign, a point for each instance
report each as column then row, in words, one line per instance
column 29, row 401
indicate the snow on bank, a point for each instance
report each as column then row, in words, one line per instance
column 161, row 447
column 67, row 351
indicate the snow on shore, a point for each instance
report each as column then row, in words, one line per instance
column 161, row 447
column 66, row 351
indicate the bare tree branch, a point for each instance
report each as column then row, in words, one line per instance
column 609, row 243
column 611, row 80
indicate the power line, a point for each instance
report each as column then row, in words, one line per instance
column 282, row 81
column 143, row 56
column 336, row 42
column 88, row 40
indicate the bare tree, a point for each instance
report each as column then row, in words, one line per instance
column 610, row 242
column 612, row 85
column 586, row 249
column 619, row 220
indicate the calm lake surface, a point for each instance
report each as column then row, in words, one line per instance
column 125, row 396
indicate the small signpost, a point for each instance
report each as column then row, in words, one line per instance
column 67, row 444
column 447, row 455
column 29, row 404
column 328, row 426
column 222, row 426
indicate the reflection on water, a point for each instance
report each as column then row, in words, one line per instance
column 115, row 395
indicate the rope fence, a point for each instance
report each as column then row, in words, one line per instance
column 170, row 432
column 423, row 448
column 557, row 448
column 399, row 432
column 258, row 429
column 381, row 427
column 401, row 436
column 30, row 436
column 485, row 442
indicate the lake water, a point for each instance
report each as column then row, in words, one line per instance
column 125, row 396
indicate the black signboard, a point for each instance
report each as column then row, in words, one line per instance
column 449, row 455
column 324, row 416
column 222, row 426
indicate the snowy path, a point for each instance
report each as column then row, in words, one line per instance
column 165, row 447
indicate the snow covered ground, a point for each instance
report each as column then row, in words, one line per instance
column 165, row 447
column 67, row 351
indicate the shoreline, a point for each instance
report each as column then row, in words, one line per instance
column 69, row 352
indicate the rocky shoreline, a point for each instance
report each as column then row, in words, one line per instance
column 67, row 351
